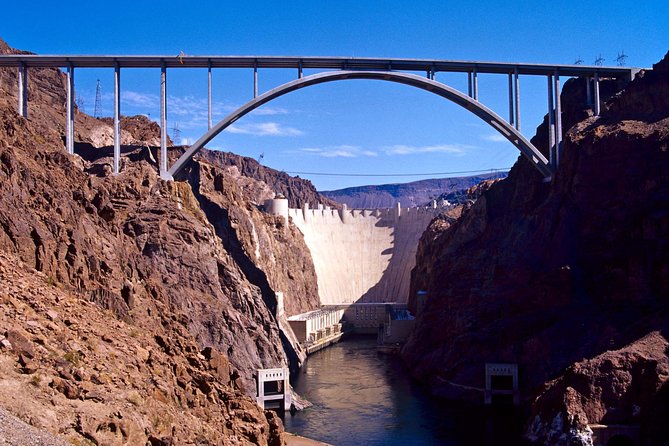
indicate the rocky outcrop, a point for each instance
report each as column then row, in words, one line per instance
column 298, row 191
column 626, row 387
column 271, row 251
column 71, row 368
column 545, row 274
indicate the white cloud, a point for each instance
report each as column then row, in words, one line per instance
column 494, row 137
column 136, row 99
column 401, row 149
column 340, row 151
column 264, row 129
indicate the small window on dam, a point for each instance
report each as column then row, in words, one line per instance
column 501, row 382
column 273, row 387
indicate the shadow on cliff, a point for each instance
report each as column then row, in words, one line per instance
column 219, row 218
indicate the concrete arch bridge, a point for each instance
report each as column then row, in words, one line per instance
column 331, row 69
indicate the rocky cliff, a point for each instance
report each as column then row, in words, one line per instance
column 298, row 191
column 145, row 305
column 546, row 274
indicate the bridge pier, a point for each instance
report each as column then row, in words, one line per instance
column 517, row 98
column 558, row 119
column 596, row 104
column 551, row 124
column 554, row 119
column 476, row 85
column 163, row 119
column 255, row 81
column 511, row 100
column 23, row 90
column 69, row 137
column 117, row 117
column 209, row 111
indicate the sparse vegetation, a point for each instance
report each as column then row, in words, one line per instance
column 73, row 357
column 135, row 398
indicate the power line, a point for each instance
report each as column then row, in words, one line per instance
column 503, row 169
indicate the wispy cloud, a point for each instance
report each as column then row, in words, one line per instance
column 136, row 99
column 494, row 137
column 264, row 129
column 340, row 151
column 400, row 149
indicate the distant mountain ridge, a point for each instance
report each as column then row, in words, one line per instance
column 416, row 193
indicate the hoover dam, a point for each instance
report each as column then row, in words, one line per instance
column 360, row 256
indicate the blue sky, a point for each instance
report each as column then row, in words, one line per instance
column 354, row 127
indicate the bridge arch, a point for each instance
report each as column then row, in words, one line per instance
column 537, row 159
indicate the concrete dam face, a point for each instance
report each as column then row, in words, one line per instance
column 360, row 256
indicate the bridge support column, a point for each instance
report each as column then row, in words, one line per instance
column 69, row 137
column 588, row 91
column 163, row 120
column 558, row 119
column 255, row 81
column 596, row 103
column 299, row 70
column 476, row 85
column 511, row 100
column 469, row 85
column 517, row 82
column 117, row 118
column 209, row 110
column 23, row 90
column 551, row 124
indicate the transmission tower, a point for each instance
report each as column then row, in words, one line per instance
column 599, row 61
column 98, row 100
column 81, row 105
column 621, row 59
column 260, row 158
column 176, row 133
column 578, row 61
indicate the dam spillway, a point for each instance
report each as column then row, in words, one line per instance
column 360, row 256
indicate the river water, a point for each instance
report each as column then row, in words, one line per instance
column 361, row 397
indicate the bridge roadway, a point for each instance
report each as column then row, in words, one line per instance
column 374, row 67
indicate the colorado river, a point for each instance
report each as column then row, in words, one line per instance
column 363, row 398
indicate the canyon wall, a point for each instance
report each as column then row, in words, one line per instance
column 546, row 274
column 136, row 310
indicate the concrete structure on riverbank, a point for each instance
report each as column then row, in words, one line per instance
column 363, row 261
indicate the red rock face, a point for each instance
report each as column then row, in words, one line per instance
column 545, row 274
column 180, row 276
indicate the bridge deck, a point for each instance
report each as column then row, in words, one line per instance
column 296, row 62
